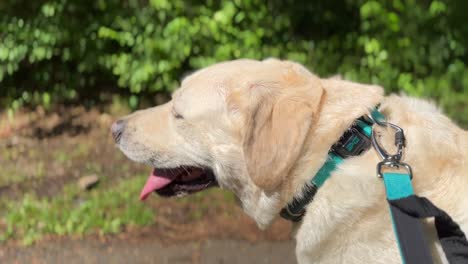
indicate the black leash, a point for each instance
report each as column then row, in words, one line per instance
column 450, row 235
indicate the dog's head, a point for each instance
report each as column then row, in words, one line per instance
column 241, row 125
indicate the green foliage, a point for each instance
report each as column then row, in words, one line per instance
column 60, row 50
column 412, row 47
column 103, row 210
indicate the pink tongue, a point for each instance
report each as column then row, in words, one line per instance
column 153, row 183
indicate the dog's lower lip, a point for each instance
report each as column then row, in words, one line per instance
column 180, row 186
column 177, row 181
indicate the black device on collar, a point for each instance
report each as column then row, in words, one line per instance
column 354, row 141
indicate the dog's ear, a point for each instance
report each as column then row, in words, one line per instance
column 278, row 124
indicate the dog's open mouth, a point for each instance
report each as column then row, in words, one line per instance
column 178, row 181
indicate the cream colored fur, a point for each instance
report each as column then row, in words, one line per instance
column 265, row 128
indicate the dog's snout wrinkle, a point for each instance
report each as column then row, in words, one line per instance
column 117, row 129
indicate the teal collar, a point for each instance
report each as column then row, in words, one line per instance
column 355, row 141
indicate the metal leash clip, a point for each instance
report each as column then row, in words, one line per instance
column 392, row 161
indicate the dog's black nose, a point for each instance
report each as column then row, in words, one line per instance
column 117, row 129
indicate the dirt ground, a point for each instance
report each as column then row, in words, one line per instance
column 42, row 152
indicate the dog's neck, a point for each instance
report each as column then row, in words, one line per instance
column 355, row 141
column 341, row 106
column 342, row 103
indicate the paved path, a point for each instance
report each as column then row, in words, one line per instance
column 122, row 252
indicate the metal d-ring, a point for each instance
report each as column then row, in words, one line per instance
column 373, row 118
column 393, row 165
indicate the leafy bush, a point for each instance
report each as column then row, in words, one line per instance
column 60, row 50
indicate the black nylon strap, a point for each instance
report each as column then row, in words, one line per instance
column 411, row 238
column 451, row 237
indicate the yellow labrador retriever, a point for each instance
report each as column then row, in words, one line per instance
column 262, row 129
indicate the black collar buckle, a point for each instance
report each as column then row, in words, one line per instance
column 353, row 143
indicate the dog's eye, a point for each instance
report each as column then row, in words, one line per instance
column 176, row 114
